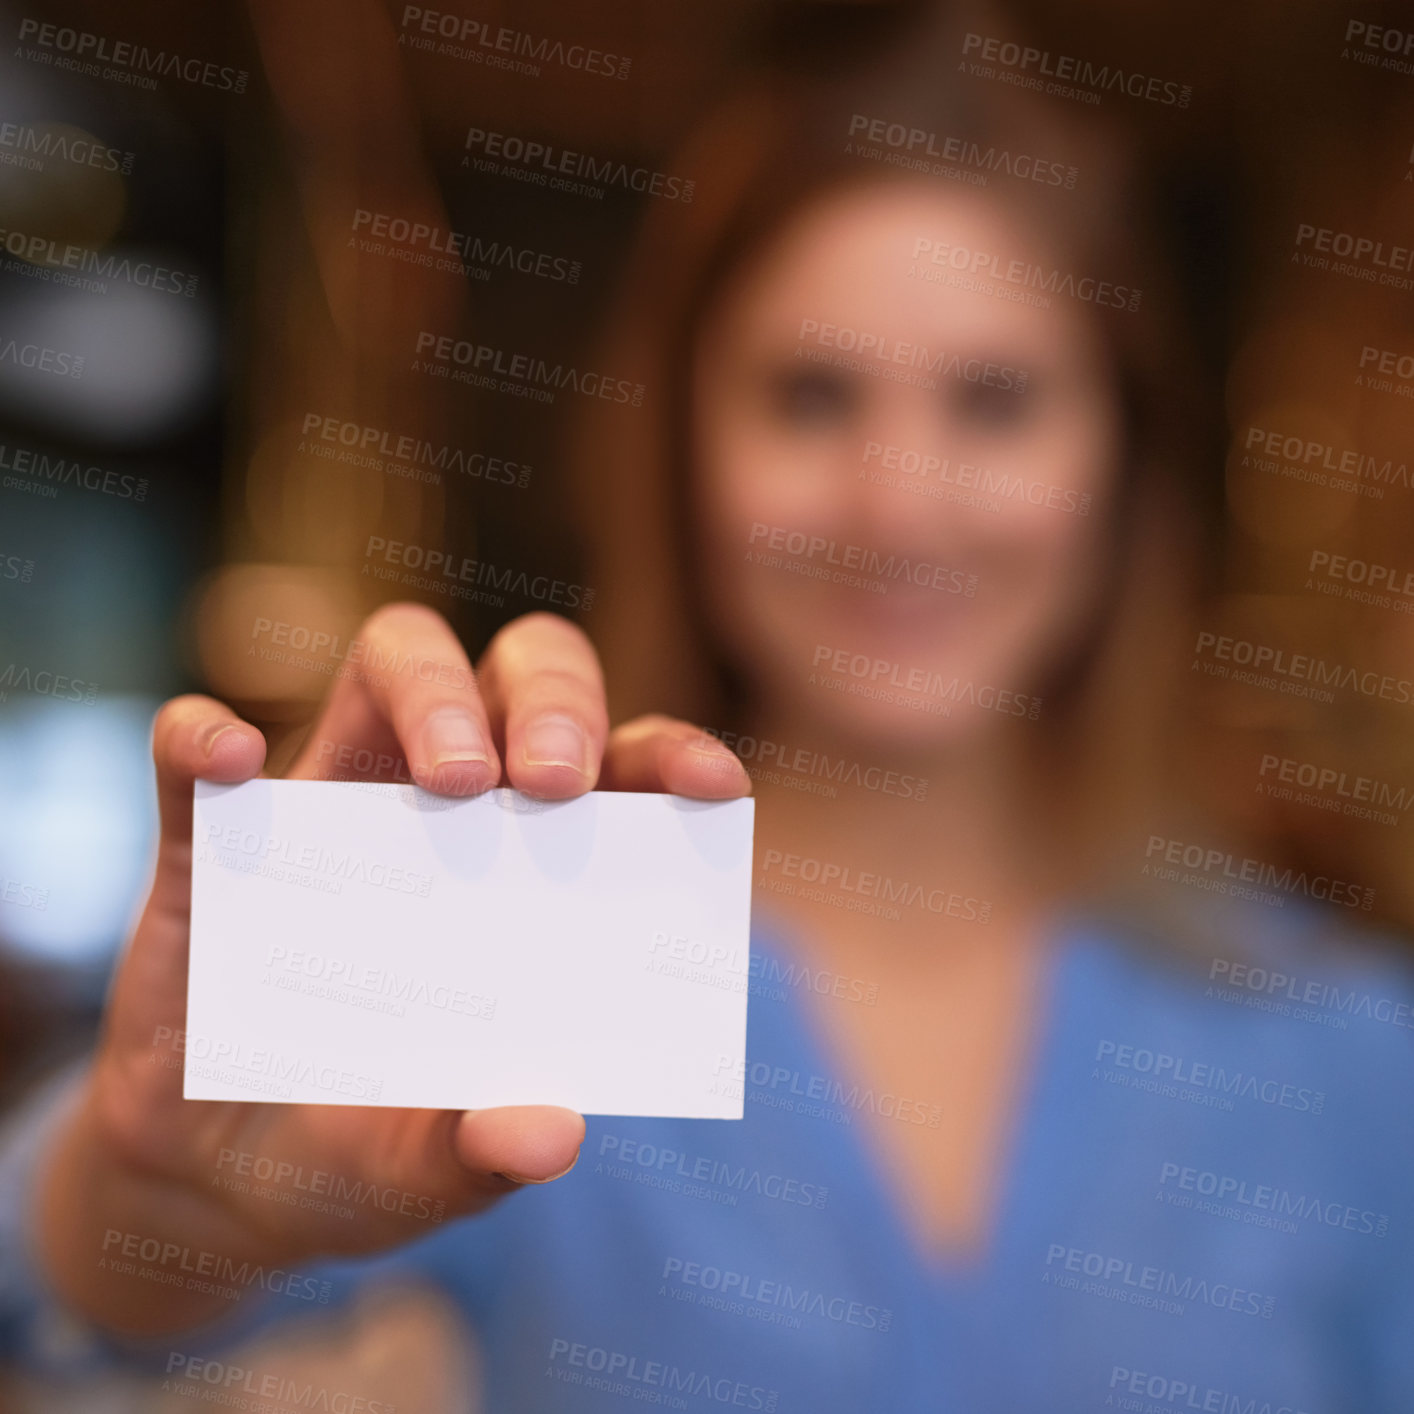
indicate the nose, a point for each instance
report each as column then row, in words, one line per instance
column 897, row 509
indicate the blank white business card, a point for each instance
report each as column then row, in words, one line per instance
column 368, row 944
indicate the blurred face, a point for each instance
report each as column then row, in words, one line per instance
column 902, row 482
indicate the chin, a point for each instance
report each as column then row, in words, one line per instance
column 920, row 700
column 874, row 714
column 892, row 731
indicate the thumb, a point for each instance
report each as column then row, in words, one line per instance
column 193, row 738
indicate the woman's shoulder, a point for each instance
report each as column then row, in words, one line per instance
column 1306, row 966
column 1295, row 1004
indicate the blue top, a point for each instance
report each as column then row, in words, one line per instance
column 1208, row 1205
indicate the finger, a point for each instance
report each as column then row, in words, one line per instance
column 545, row 692
column 657, row 753
column 412, row 697
column 196, row 738
column 519, row 1143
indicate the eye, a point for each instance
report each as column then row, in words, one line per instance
column 812, row 398
column 989, row 406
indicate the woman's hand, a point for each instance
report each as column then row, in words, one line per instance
column 137, row 1160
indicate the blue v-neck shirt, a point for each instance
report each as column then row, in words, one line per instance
column 1207, row 1204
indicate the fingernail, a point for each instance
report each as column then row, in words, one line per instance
column 556, row 740
column 452, row 734
column 516, row 1178
column 212, row 735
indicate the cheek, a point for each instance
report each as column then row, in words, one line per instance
column 1067, row 551
column 736, row 500
column 728, row 499
column 1074, row 462
column 1054, row 563
column 1078, row 535
column 755, row 481
column 1047, row 550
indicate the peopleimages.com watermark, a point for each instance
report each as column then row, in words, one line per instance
column 1304, row 999
column 403, row 454
column 70, row 263
column 258, row 1068
column 1021, row 281
column 645, row 1380
column 459, row 252
column 44, row 682
column 1263, row 1205
column 761, row 974
column 855, row 566
column 1220, row 871
column 326, row 651
column 120, row 60
column 16, row 567
column 863, row 890
column 453, row 36
column 380, row 989
column 900, row 361
column 774, row 1300
column 39, row 474
column 1198, row 1082
column 1156, row 1288
column 322, row 1191
column 1322, row 463
column 1361, row 581
column 250, row 851
column 1264, row 665
column 1379, row 46
column 1378, row 368
column 729, row 963
column 31, row 145
column 943, row 155
column 564, row 170
column 917, row 688
column 198, row 1269
column 260, row 1392
column 814, row 772
column 40, row 358
column 970, row 484
column 524, row 375
column 1182, row 1396
column 1357, row 257
column 464, row 577
column 811, row 1096
column 1327, row 788
column 699, row 1176
column 1065, row 75
column 18, row 894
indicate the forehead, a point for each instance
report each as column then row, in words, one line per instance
column 911, row 258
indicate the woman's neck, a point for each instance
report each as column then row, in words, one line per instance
column 872, row 864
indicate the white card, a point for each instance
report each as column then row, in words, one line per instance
column 377, row 945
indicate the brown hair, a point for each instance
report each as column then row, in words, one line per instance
column 772, row 148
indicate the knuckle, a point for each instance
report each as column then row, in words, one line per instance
column 401, row 617
column 175, row 714
column 661, row 722
column 559, row 689
column 542, row 628
column 556, row 682
column 543, row 620
column 659, row 726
